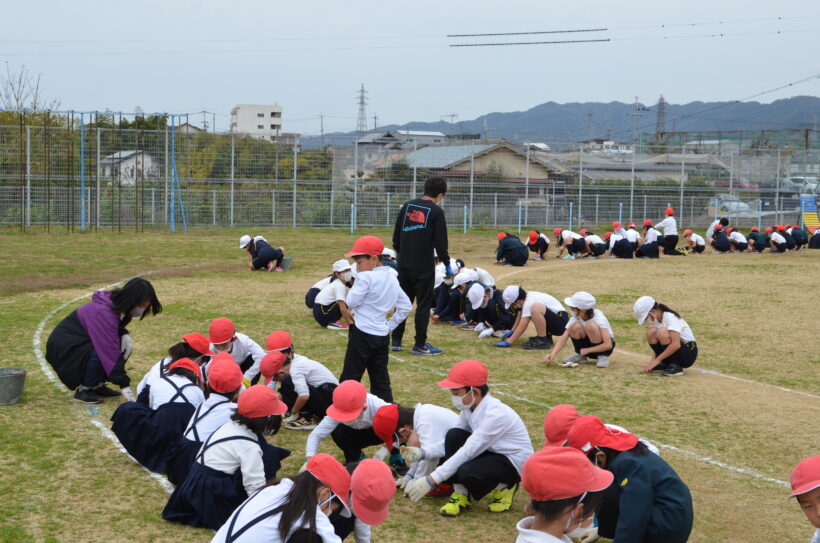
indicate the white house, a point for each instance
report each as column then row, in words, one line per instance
column 258, row 121
column 129, row 166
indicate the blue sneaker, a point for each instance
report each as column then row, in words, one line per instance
column 425, row 350
column 458, row 322
column 450, row 319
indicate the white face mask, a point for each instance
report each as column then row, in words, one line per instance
column 577, row 533
column 347, row 276
column 570, row 519
column 459, row 404
column 325, row 503
column 137, row 312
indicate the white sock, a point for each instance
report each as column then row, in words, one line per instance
column 461, row 489
column 501, row 486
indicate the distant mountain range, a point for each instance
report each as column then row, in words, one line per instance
column 580, row 121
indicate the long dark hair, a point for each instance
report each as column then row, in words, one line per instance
column 666, row 309
column 299, row 504
column 588, row 313
column 611, row 454
column 259, row 425
column 133, row 293
column 185, row 372
column 183, row 350
column 552, row 509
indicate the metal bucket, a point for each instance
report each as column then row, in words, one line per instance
column 286, row 260
column 11, row 385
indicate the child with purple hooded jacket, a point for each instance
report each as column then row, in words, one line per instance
column 91, row 345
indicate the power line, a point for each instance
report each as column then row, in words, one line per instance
column 526, row 33
column 525, row 43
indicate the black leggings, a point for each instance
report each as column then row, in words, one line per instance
column 684, row 357
column 481, row 474
column 584, row 343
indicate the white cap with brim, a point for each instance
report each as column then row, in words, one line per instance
column 341, row 265
column 580, row 300
column 642, row 308
column 389, row 252
column 464, row 277
column 510, row 295
column 476, row 295
column 244, row 241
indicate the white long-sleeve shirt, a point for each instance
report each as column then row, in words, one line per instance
column 632, row 235
column 211, row 414
column 268, row 499
column 485, row 277
column 328, row 424
column 594, row 239
column 697, row 239
column 651, row 235
column 620, row 232
column 613, row 239
column 157, row 370
column 322, row 283
column 235, row 454
column 669, row 226
column 304, row 372
column 163, row 391
column 241, row 349
column 374, row 294
column 431, row 424
column 737, row 237
column 495, row 427
column 777, row 238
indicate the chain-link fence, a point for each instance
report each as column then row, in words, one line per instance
column 96, row 171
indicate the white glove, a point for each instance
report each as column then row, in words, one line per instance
column 128, row 395
column 412, row 454
column 402, row 481
column 480, row 327
column 487, row 332
column 382, row 454
column 290, row 418
column 590, row 534
column 417, row 488
column 126, row 346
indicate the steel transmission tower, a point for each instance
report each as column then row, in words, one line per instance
column 361, row 126
column 660, row 127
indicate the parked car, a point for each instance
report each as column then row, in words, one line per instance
column 740, row 183
column 727, row 204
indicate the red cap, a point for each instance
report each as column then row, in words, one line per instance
column 787, row 226
column 557, row 232
column 669, row 211
column 583, row 231
column 367, row 245
column 348, row 400
column 384, row 423
column 607, row 235
column 647, row 222
column 533, row 237
column 729, row 230
column 631, row 224
column 755, row 229
column 589, row 432
column 467, row 373
column 500, row 236
column 279, row 341
column 805, row 476
column 557, row 473
column 260, row 401
column 188, row 364
column 224, row 374
column 616, row 225
column 198, row 342
column 331, row 473
column 557, row 423
column 769, row 230
column 718, row 227
column 271, row 363
column 371, row 489
column 221, row 330
column 781, row 228
column 687, row 232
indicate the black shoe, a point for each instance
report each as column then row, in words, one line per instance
column 672, row 370
column 398, row 465
column 537, row 343
column 104, row 392
column 87, row 396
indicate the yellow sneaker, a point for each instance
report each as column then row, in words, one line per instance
column 458, row 502
column 502, row 499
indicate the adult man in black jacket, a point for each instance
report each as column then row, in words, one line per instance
column 421, row 228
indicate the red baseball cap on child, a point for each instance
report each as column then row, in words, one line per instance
column 647, row 222
column 500, row 236
column 348, row 400
column 607, row 235
column 589, row 432
column 271, row 363
column 533, row 236
column 367, row 245
column 331, row 473
column 616, row 225
column 557, row 423
column 718, row 227
column 729, row 230
column 224, row 374
column 583, row 231
column 687, row 232
column 221, row 330
column 188, row 364
column 630, row 224
column 755, row 229
column 384, row 423
column 279, row 341
column 260, row 401
column 557, row 473
column 805, row 476
column 467, row 373
column 198, row 342
column 371, row 489
column 669, row 211
column 769, row 230
column 557, row 231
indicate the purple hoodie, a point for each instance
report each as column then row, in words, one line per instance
column 103, row 327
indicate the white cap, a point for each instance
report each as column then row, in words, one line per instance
column 354, row 270
column 510, row 295
column 389, row 252
column 244, row 241
column 464, row 277
column 580, row 300
column 341, row 265
column 642, row 307
column 259, row 238
column 476, row 295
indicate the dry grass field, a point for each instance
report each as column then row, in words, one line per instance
column 732, row 433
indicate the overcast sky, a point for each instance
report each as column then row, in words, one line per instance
column 312, row 56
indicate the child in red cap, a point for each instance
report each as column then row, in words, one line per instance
column 649, row 247
column 539, row 244
column 571, row 242
column 777, row 241
column 805, row 483
column 486, row 450
column 510, row 251
column 669, row 227
column 225, row 339
column 295, row 509
column 373, row 296
column 720, row 241
column 633, row 236
column 695, row 242
column 233, row 463
column 648, row 502
column 193, row 346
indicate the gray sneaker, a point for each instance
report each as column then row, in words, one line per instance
column 603, row 362
column 575, row 358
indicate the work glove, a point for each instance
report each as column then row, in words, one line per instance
column 448, row 271
column 128, row 394
column 507, row 334
column 402, row 481
column 590, row 534
column 126, row 346
column 479, row 327
column 290, row 418
column 412, row 454
column 487, row 332
column 502, row 344
column 382, row 454
column 417, row 488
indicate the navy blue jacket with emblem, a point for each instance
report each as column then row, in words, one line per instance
column 420, row 228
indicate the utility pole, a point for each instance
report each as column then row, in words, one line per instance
column 452, row 121
column 375, row 122
column 589, row 124
column 322, row 127
column 660, row 125
column 205, row 121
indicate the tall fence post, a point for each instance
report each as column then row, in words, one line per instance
column 569, row 227
column 472, row 178
column 28, row 176
column 213, row 207
column 596, row 209
column 580, row 182
column 295, row 161
column 760, row 214
column 495, row 209
column 97, row 176
column 82, row 172
column 519, row 216
column 153, row 208
column 233, row 170
column 692, row 209
column 273, row 207
column 387, row 212
column 620, row 212
column 644, row 206
column 165, row 214
column 527, row 188
column 465, row 219
column 352, row 218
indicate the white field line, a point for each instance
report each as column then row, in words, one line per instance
column 732, row 377
column 44, row 366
